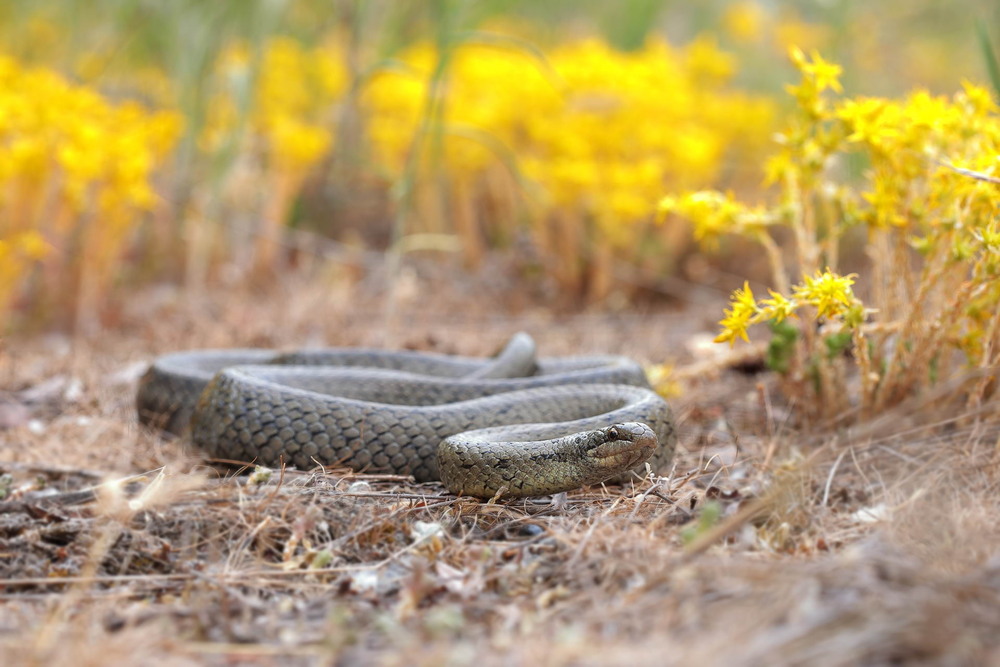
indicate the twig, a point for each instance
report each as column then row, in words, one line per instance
column 978, row 175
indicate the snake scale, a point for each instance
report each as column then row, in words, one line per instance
column 511, row 425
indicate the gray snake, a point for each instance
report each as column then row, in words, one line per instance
column 509, row 425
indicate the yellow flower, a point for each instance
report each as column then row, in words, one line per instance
column 81, row 163
column 714, row 214
column 830, row 293
column 885, row 199
column 32, row 245
column 661, row 379
column 989, row 236
column 740, row 316
column 825, row 74
column 298, row 145
column 744, row 21
column 865, row 121
column 780, row 168
column 979, row 98
column 818, row 75
column 778, row 307
column 27, row 153
column 706, row 62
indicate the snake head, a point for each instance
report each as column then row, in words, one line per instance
column 620, row 447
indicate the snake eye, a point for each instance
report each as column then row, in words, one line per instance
column 613, row 433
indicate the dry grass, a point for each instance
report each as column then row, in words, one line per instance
column 874, row 546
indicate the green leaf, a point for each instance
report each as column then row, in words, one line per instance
column 710, row 514
column 781, row 349
column 837, row 344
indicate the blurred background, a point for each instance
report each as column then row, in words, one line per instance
column 205, row 144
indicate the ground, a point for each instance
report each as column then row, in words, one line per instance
column 768, row 543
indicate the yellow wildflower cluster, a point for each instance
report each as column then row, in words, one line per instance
column 609, row 142
column 597, row 131
column 49, row 127
column 829, row 294
column 75, row 174
column 292, row 102
column 714, row 214
column 930, row 191
column 596, row 127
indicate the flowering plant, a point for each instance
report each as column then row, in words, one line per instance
column 927, row 206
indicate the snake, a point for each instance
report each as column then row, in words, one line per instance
column 512, row 425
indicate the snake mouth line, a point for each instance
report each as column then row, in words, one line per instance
column 624, row 453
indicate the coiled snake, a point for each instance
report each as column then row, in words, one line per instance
column 507, row 425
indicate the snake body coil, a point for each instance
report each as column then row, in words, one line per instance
column 559, row 423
